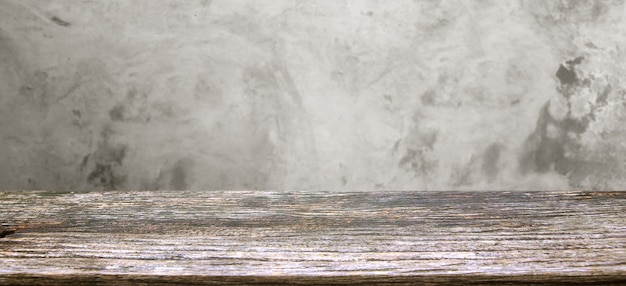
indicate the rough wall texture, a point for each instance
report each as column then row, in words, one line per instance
column 326, row 94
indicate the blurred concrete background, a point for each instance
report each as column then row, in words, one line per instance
column 312, row 95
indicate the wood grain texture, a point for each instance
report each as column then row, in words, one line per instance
column 307, row 238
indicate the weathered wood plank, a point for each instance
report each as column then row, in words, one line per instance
column 275, row 237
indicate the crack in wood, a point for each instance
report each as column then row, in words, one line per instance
column 4, row 233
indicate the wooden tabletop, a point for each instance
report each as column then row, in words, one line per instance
column 262, row 237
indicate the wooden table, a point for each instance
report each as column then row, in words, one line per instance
column 259, row 237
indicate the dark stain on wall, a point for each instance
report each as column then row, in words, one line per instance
column 104, row 176
column 566, row 75
column 554, row 145
column 107, row 161
column 545, row 149
column 417, row 158
column 491, row 157
column 428, row 98
column 35, row 89
column 60, row 22
column 179, row 174
column 133, row 108
column 117, row 112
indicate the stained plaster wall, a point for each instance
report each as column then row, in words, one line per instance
column 312, row 95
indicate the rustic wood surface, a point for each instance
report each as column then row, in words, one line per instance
column 307, row 238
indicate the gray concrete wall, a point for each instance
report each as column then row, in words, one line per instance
column 312, row 95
